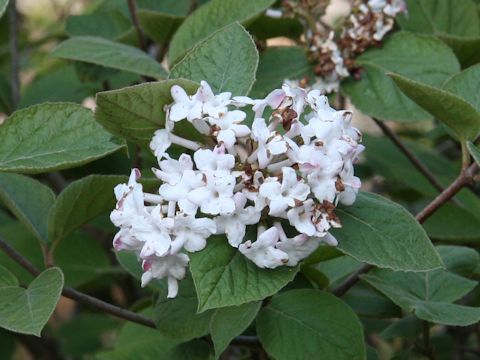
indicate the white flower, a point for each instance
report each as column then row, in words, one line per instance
column 171, row 170
column 230, row 127
column 179, row 191
column 283, row 195
column 234, row 225
column 184, row 106
column 130, row 204
column 263, row 252
column 217, row 160
column 273, row 100
column 160, row 143
column 301, row 218
column 124, row 240
column 191, row 233
column 216, row 196
column 269, row 144
column 173, row 267
column 213, row 105
column 298, row 248
column 154, row 232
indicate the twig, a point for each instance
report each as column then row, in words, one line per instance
column 132, row 6
column 463, row 179
column 351, row 280
column 427, row 345
column 14, row 54
column 410, row 155
column 77, row 295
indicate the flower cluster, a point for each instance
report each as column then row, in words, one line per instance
column 284, row 174
column 332, row 50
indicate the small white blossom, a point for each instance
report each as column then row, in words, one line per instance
column 263, row 251
column 269, row 144
column 184, row 106
column 173, row 267
column 191, row 233
column 286, row 194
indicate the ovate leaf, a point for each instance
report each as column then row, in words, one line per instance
column 456, row 17
column 99, row 51
column 27, row 311
column 474, row 151
column 177, row 318
column 209, row 18
column 376, row 94
column 225, row 277
column 229, row 322
column 455, row 112
column 29, row 200
column 138, row 342
column 7, row 278
column 303, row 324
column 378, row 231
column 232, row 70
column 106, row 24
column 3, row 6
column 80, row 202
column 465, row 48
column 428, row 295
column 159, row 26
column 136, row 112
column 52, row 136
column 278, row 64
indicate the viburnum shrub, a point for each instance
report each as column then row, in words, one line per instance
column 239, row 179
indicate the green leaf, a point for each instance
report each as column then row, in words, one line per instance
column 229, row 322
column 382, row 233
column 385, row 158
column 27, row 311
column 159, row 26
column 99, row 51
column 266, row 27
column 448, row 314
column 29, row 200
column 81, row 258
column 224, row 277
column 129, row 261
column 209, row 18
column 7, row 278
column 52, row 136
column 21, row 239
column 407, row 327
column 233, row 70
column 466, row 85
column 474, row 151
column 138, row 342
column 136, row 112
column 67, row 85
column 177, row 318
column 302, row 324
column 3, row 6
column 466, row 49
column 455, row 112
column 278, row 64
column 456, row 17
column 82, row 201
column 376, row 94
column 428, row 295
column 106, row 24
column 452, row 223
column 460, row 260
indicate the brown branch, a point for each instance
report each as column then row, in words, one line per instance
column 132, row 6
column 14, row 54
column 77, row 295
column 410, row 155
column 465, row 178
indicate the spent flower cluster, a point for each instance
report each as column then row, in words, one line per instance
column 284, row 174
column 333, row 49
